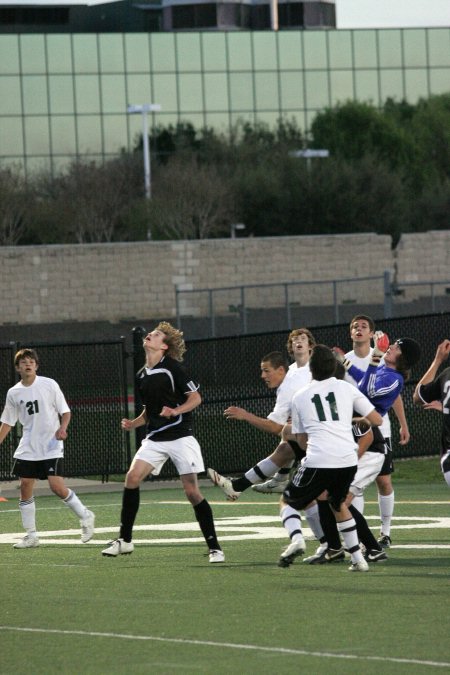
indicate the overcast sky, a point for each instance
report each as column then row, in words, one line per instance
column 392, row 13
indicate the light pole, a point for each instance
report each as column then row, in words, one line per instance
column 234, row 227
column 144, row 110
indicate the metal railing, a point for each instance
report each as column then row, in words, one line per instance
column 244, row 309
column 381, row 286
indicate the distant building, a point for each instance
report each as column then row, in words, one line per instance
column 125, row 16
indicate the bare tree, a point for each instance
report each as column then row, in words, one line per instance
column 191, row 201
column 15, row 199
column 92, row 198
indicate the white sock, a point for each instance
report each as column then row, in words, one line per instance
column 386, row 504
column 75, row 504
column 350, row 536
column 358, row 503
column 267, row 468
column 291, row 522
column 28, row 513
column 313, row 518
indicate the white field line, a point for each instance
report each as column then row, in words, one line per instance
column 235, row 528
column 228, row 645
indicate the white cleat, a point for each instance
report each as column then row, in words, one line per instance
column 290, row 553
column 225, row 484
column 29, row 541
column 360, row 566
column 271, row 486
column 87, row 526
column 216, row 556
column 118, row 547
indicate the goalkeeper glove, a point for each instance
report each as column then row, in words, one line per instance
column 340, row 357
column 381, row 344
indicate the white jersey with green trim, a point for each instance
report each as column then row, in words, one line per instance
column 37, row 407
column 324, row 411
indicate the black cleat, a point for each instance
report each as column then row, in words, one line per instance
column 384, row 541
column 375, row 556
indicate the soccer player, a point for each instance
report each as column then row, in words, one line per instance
column 169, row 396
column 382, row 384
column 299, row 344
column 362, row 329
column 322, row 414
column 39, row 405
column 430, row 390
column 275, row 375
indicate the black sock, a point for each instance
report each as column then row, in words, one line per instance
column 204, row 515
column 364, row 533
column 130, row 507
column 328, row 523
column 240, row 484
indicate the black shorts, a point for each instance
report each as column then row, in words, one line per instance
column 298, row 452
column 308, row 483
column 42, row 469
column 388, row 464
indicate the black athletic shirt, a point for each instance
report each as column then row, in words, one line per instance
column 165, row 384
column 439, row 390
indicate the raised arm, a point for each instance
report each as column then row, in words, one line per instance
column 442, row 353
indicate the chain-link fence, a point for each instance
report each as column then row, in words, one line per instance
column 93, row 377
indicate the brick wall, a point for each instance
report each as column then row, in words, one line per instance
column 124, row 281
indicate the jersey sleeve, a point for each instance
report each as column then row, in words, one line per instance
column 297, row 426
column 60, row 400
column 430, row 392
column 283, row 405
column 10, row 414
column 183, row 381
column 361, row 404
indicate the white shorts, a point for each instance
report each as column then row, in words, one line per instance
column 368, row 469
column 184, row 452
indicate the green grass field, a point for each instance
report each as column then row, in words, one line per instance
column 165, row 610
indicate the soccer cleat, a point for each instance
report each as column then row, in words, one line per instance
column 329, row 555
column 87, row 526
column 29, row 541
column 271, row 486
column 225, row 484
column 360, row 566
column 290, row 553
column 321, row 550
column 384, row 540
column 118, row 547
column 216, row 556
column 375, row 555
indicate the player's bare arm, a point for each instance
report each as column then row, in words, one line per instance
column 61, row 433
column 399, row 410
column 139, row 421
column 193, row 401
column 442, row 353
column 4, row 431
column 262, row 423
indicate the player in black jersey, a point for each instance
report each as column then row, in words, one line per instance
column 168, row 396
column 434, row 393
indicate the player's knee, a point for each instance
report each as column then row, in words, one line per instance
column 356, row 491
